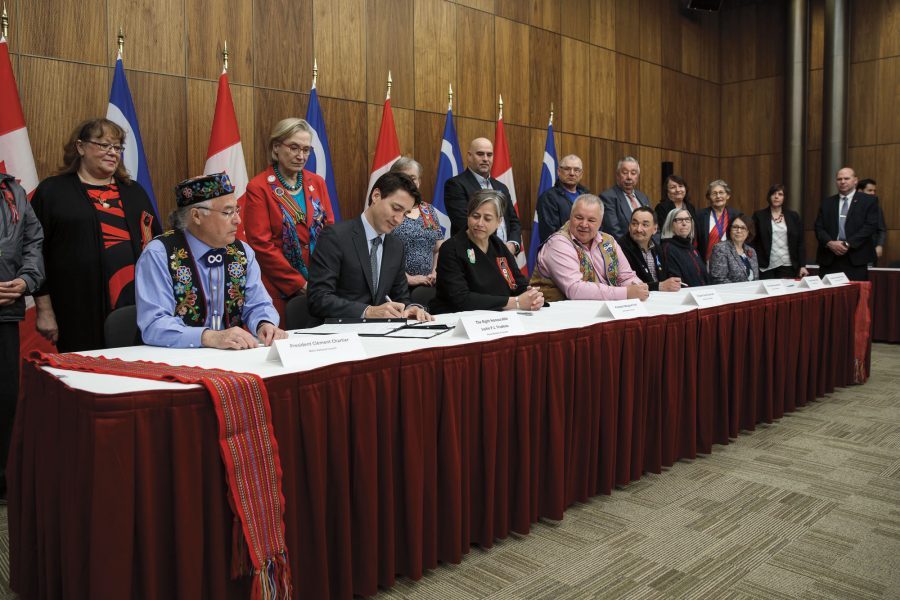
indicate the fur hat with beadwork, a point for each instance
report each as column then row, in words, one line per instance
column 205, row 187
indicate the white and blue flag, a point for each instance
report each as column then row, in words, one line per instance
column 319, row 161
column 548, row 180
column 121, row 112
column 449, row 165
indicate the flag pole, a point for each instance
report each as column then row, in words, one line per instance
column 225, row 57
column 550, row 124
column 315, row 72
column 450, row 97
column 500, row 106
column 4, row 22
column 389, row 84
column 120, row 41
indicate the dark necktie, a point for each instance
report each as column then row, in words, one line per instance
column 845, row 206
column 373, row 258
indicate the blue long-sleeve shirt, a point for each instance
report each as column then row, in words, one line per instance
column 156, row 301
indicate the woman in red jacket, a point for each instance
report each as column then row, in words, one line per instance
column 287, row 207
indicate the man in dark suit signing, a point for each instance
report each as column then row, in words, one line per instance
column 357, row 269
column 620, row 200
column 844, row 228
column 458, row 190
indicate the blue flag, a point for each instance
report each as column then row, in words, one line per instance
column 449, row 165
column 319, row 161
column 548, row 180
column 121, row 112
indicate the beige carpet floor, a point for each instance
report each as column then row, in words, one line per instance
column 807, row 508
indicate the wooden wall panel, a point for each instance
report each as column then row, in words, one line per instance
column 887, row 175
column 628, row 91
column 650, row 14
column 705, row 124
column 482, row 5
column 670, row 35
column 148, row 46
column 428, row 130
column 813, row 186
column 475, row 86
column 864, row 160
column 389, row 46
column 862, row 126
column 650, row 104
column 469, row 129
column 347, row 132
column 604, row 156
column 231, row 21
column 651, row 173
column 512, row 70
column 814, row 110
column 435, row 53
column 280, row 59
column 43, row 84
column 545, row 77
column 15, row 27
column 817, row 34
column 545, row 14
column 166, row 150
column 603, row 23
column 575, row 19
column 769, row 39
column 574, row 112
column 729, row 137
column 602, row 93
column 269, row 107
column 888, row 90
column 628, row 28
column 340, row 47
column 876, row 29
column 75, row 31
column 700, row 47
column 514, row 10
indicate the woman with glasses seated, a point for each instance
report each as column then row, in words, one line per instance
column 287, row 207
column 712, row 221
column 679, row 258
column 96, row 221
column 734, row 260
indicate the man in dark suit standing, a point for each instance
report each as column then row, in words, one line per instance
column 458, row 190
column 555, row 204
column 844, row 228
column 620, row 200
column 357, row 269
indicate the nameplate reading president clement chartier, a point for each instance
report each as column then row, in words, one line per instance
column 305, row 352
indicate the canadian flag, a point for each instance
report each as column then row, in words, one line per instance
column 502, row 172
column 15, row 148
column 387, row 149
column 225, row 152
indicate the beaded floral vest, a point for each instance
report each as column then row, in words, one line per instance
column 190, row 301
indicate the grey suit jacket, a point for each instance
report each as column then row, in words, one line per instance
column 340, row 272
column 617, row 210
column 725, row 266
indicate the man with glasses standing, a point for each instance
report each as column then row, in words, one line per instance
column 844, row 228
column 198, row 285
column 620, row 200
column 555, row 204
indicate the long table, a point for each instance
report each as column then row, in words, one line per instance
column 399, row 462
column 885, row 305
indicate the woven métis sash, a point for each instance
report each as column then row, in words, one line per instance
column 248, row 448
column 610, row 259
column 190, row 303
column 717, row 232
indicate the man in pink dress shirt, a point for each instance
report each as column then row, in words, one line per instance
column 586, row 264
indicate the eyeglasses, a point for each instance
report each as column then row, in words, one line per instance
column 297, row 149
column 575, row 170
column 717, row 194
column 738, row 228
column 682, row 220
column 228, row 214
column 105, row 148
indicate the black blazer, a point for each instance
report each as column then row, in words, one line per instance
column 762, row 222
column 340, row 272
column 701, row 228
column 554, row 208
column 861, row 223
column 463, row 285
column 636, row 260
column 617, row 210
column 458, row 190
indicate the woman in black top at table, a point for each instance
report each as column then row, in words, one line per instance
column 679, row 257
column 779, row 239
column 677, row 196
column 475, row 269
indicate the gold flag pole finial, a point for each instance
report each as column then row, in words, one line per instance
column 390, row 83
column 551, row 115
column 225, row 56
column 120, row 41
column 4, row 22
column 500, row 106
column 450, row 97
column 315, row 71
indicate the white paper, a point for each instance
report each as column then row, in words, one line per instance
column 836, row 279
column 773, row 287
column 306, row 352
column 704, row 298
column 485, row 327
column 623, row 309
column 377, row 328
column 812, row 282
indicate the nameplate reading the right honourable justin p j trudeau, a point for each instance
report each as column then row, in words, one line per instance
column 486, row 326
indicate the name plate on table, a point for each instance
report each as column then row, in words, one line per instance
column 773, row 287
column 623, row 309
column 812, row 282
column 703, row 298
column 836, row 279
column 311, row 351
column 486, row 327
